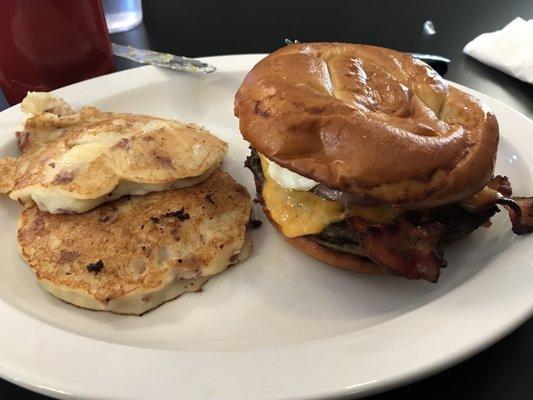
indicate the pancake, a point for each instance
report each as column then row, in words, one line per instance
column 131, row 255
column 73, row 162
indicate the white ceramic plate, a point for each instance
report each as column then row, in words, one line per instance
column 280, row 325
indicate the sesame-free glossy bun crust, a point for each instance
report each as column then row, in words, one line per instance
column 370, row 121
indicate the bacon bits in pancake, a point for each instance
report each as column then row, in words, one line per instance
column 130, row 255
column 75, row 162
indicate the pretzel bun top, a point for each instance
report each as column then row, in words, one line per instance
column 373, row 122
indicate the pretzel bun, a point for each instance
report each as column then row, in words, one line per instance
column 370, row 121
column 335, row 258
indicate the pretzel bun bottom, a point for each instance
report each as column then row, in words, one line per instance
column 335, row 258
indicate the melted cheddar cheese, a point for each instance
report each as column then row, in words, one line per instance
column 298, row 213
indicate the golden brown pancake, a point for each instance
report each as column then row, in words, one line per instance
column 130, row 255
column 72, row 163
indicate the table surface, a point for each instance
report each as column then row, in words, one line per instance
column 203, row 28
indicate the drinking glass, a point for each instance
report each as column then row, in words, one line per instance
column 47, row 44
column 122, row 15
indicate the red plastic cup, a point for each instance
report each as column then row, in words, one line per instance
column 47, row 44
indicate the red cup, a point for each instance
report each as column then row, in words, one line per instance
column 47, row 44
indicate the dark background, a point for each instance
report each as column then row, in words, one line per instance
column 203, row 28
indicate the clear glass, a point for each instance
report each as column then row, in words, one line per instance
column 122, row 15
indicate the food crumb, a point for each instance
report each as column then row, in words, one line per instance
column 95, row 267
column 180, row 214
column 209, row 198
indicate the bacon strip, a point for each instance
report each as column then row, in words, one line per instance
column 411, row 245
column 501, row 184
column 520, row 212
column 520, row 208
column 405, row 249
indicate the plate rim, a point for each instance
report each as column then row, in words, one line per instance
column 67, row 389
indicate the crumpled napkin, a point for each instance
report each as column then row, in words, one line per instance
column 510, row 49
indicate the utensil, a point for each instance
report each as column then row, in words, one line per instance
column 438, row 63
column 122, row 15
column 165, row 60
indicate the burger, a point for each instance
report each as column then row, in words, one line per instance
column 366, row 159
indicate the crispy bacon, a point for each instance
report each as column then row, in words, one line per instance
column 520, row 212
column 458, row 222
column 501, row 184
column 411, row 245
column 405, row 249
column 520, row 208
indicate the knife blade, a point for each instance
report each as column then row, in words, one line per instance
column 164, row 60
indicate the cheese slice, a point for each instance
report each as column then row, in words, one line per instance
column 296, row 212
column 299, row 213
